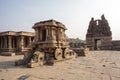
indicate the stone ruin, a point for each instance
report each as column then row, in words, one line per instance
column 99, row 35
column 49, row 45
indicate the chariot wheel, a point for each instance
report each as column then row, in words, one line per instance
column 58, row 54
column 38, row 57
column 67, row 53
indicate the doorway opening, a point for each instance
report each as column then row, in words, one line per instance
column 97, row 44
column 43, row 35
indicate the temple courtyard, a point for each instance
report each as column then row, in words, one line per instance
column 99, row 65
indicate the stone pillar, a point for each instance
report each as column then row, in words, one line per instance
column 29, row 43
column 60, row 35
column 0, row 42
column 5, row 42
column 52, row 34
column 21, row 42
column 37, row 34
column 47, row 36
column 40, row 34
column 30, row 40
column 9, row 41
column 12, row 42
column 18, row 40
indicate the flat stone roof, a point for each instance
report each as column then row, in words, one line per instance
column 24, row 33
column 49, row 23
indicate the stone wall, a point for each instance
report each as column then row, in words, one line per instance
column 116, row 45
column 76, row 42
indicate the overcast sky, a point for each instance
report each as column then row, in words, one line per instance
column 20, row 15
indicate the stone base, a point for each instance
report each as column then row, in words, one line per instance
column 82, row 51
column 8, row 53
column 32, row 65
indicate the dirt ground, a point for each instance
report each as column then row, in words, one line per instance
column 99, row 65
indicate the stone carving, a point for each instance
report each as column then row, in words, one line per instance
column 50, row 44
column 99, row 30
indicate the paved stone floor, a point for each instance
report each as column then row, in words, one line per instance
column 99, row 65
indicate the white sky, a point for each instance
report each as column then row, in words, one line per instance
column 20, row 15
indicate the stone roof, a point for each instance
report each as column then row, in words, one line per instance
column 49, row 23
column 24, row 33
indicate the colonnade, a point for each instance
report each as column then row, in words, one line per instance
column 15, row 41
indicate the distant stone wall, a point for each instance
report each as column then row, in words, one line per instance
column 116, row 45
column 76, row 43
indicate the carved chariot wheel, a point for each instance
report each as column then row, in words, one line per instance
column 67, row 53
column 58, row 54
column 38, row 57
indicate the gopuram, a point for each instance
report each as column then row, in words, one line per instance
column 99, row 35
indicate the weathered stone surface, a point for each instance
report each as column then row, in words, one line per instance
column 12, row 43
column 116, row 45
column 81, row 51
column 99, row 35
column 76, row 42
column 50, row 42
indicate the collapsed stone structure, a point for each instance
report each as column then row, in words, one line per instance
column 50, row 44
column 76, row 42
column 12, row 42
column 79, row 46
column 99, row 35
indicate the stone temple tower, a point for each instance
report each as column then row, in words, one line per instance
column 99, row 35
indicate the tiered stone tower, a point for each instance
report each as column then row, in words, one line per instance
column 99, row 35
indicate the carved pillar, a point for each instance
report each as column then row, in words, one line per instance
column 21, row 42
column 47, row 36
column 5, row 42
column 29, row 39
column 39, row 34
column 52, row 34
column 13, row 42
column 18, row 40
column 0, row 42
column 9, row 41
column 60, row 35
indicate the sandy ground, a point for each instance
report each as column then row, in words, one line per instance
column 100, row 65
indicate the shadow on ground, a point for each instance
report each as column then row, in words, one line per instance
column 9, row 64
